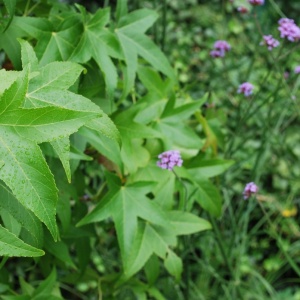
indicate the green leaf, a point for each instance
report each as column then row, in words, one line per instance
column 208, row 168
column 130, row 32
column 153, row 82
column 10, row 246
column 187, row 223
column 138, row 21
column 7, row 78
column 105, row 126
column 8, row 203
column 11, row 7
column 93, row 44
column 107, row 147
column 21, row 129
column 21, row 27
column 58, row 42
column 57, row 75
column 174, row 265
column 121, row 9
column 10, row 223
column 207, row 195
column 62, row 148
column 125, row 205
column 29, row 58
column 59, row 250
column 46, row 287
column 151, row 239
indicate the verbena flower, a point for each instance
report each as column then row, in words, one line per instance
column 288, row 29
column 297, row 70
column 270, row 42
column 216, row 53
column 169, row 159
column 220, row 48
column 250, row 189
column 256, row 2
column 246, row 88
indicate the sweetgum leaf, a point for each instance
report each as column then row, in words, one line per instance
column 25, row 170
column 59, row 41
column 125, row 206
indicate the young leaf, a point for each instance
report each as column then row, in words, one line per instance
column 10, row 245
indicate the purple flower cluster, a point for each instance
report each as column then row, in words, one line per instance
column 250, row 189
column 288, row 29
column 297, row 70
column 246, row 88
column 220, row 48
column 169, row 159
column 256, row 2
column 270, row 42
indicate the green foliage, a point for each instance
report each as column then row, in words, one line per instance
column 89, row 105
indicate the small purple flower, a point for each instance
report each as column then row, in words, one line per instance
column 256, row 2
column 246, row 88
column 169, row 159
column 297, row 70
column 288, row 29
column 270, row 42
column 249, row 190
column 220, row 48
column 216, row 53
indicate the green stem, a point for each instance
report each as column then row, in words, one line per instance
column 182, row 200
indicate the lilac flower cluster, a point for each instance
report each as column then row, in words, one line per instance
column 250, row 189
column 220, row 48
column 270, row 42
column 169, row 159
column 288, row 29
column 246, row 88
